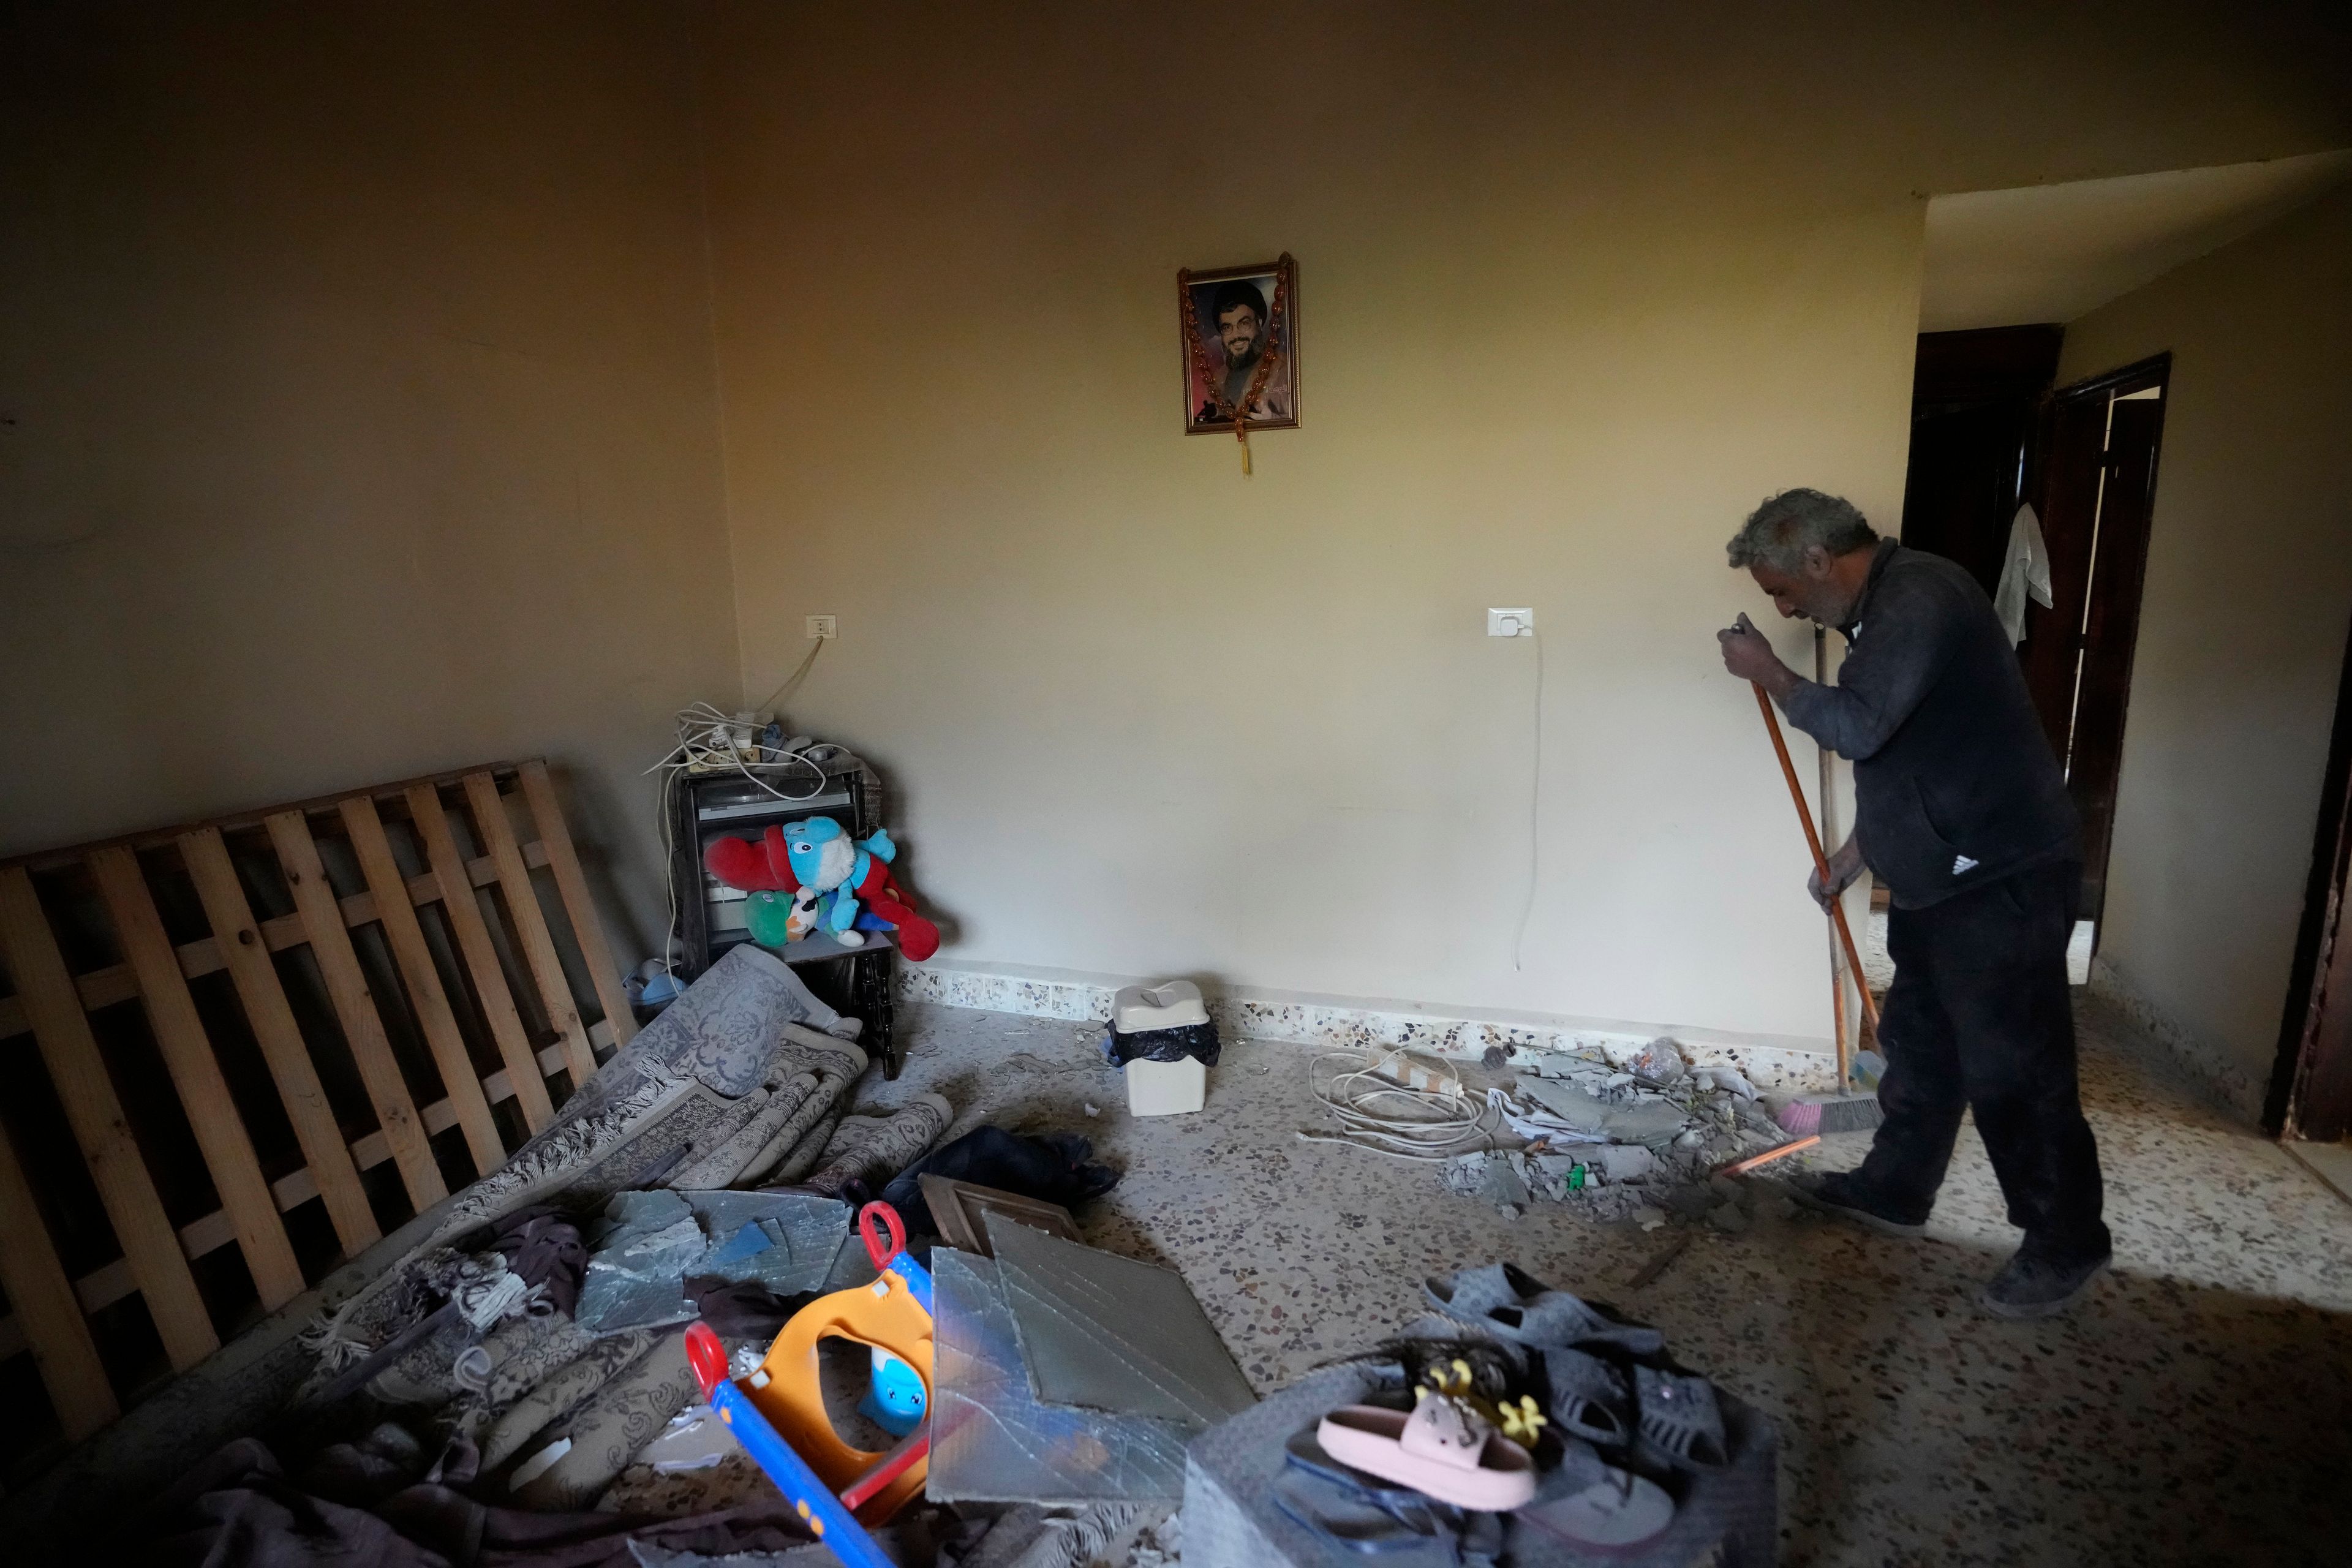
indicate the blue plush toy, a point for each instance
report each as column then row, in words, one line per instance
column 825, row 861
column 895, row 1400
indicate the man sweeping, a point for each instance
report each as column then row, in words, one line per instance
column 1963, row 814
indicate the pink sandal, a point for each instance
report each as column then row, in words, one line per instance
column 1445, row 1450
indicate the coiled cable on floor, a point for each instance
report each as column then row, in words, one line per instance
column 1423, row 1125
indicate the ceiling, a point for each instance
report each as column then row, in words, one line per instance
column 2050, row 253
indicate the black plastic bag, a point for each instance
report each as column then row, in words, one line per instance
column 1196, row 1040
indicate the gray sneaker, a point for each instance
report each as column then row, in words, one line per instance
column 1839, row 1193
column 2035, row 1287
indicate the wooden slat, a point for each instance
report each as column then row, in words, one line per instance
column 335, row 1178
column 464, row 912
column 62, row 1029
column 196, row 1073
column 406, row 940
column 296, row 1188
column 529, row 924
column 588, row 930
column 104, row 1286
column 157, row 837
column 355, row 1005
column 214, row 1231
column 105, row 987
column 47, row 1319
column 101, row 1288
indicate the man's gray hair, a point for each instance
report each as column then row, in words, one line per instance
column 1779, row 532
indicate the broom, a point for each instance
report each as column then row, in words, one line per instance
column 1842, row 1112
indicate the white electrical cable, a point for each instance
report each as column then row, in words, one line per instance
column 1446, row 1125
column 1535, row 819
column 706, row 741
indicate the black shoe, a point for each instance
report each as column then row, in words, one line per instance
column 1839, row 1193
column 2032, row 1286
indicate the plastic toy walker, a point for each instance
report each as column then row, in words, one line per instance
column 777, row 1413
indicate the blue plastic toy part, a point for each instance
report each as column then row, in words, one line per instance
column 895, row 1400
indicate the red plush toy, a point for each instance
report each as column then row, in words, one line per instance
column 761, row 867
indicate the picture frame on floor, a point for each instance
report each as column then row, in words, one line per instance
column 1237, row 335
column 960, row 1210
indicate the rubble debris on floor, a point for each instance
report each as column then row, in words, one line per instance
column 1641, row 1142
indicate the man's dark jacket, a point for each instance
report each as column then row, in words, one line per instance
column 1955, row 782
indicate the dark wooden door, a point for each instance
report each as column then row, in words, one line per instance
column 2099, row 492
column 2311, row 1088
column 1973, row 400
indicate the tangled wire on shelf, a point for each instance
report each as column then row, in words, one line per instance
column 1417, row 1124
column 706, row 743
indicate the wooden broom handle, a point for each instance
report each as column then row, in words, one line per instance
column 1822, row 865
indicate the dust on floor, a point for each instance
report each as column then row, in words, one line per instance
column 2195, row 1409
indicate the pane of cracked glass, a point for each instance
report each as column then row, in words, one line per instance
column 991, row 1441
column 649, row 1243
column 1111, row 1334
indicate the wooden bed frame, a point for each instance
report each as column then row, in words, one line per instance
column 455, row 968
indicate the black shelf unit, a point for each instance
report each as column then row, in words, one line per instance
column 703, row 808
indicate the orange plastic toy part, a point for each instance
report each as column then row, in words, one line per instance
column 884, row 1314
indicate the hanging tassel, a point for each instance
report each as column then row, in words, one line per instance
column 1241, row 434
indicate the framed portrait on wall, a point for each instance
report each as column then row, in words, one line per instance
column 1239, row 333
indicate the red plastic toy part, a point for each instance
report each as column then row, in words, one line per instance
column 914, row 1447
column 896, row 1226
column 707, row 1357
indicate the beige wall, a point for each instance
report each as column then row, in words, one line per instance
column 2241, row 624
column 362, row 419
column 1579, row 286
column 358, row 377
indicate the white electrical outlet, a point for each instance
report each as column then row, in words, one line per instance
column 823, row 626
column 1510, row 623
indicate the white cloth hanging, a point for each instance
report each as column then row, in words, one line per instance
column 2025, row 570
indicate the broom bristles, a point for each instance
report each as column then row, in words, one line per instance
column 1831, row 1113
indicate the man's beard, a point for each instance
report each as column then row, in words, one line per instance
column 1247, row 357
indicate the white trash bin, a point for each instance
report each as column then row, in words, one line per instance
column 1162, row 1089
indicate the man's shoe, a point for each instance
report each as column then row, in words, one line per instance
column 2033, row 1286
column 1839, row 1193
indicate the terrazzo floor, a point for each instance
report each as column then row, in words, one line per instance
column 2197, row 1408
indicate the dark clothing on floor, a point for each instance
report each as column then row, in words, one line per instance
column 743, row 1309
column 1978, row 1018
column 542, row 1245
column 1052, row 1168
column 1955, row 785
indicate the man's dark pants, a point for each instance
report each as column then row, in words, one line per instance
column 1977, row 1018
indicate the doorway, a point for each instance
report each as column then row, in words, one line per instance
column 2100, row 440
column 1975, row 399
column 2311, row 1088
